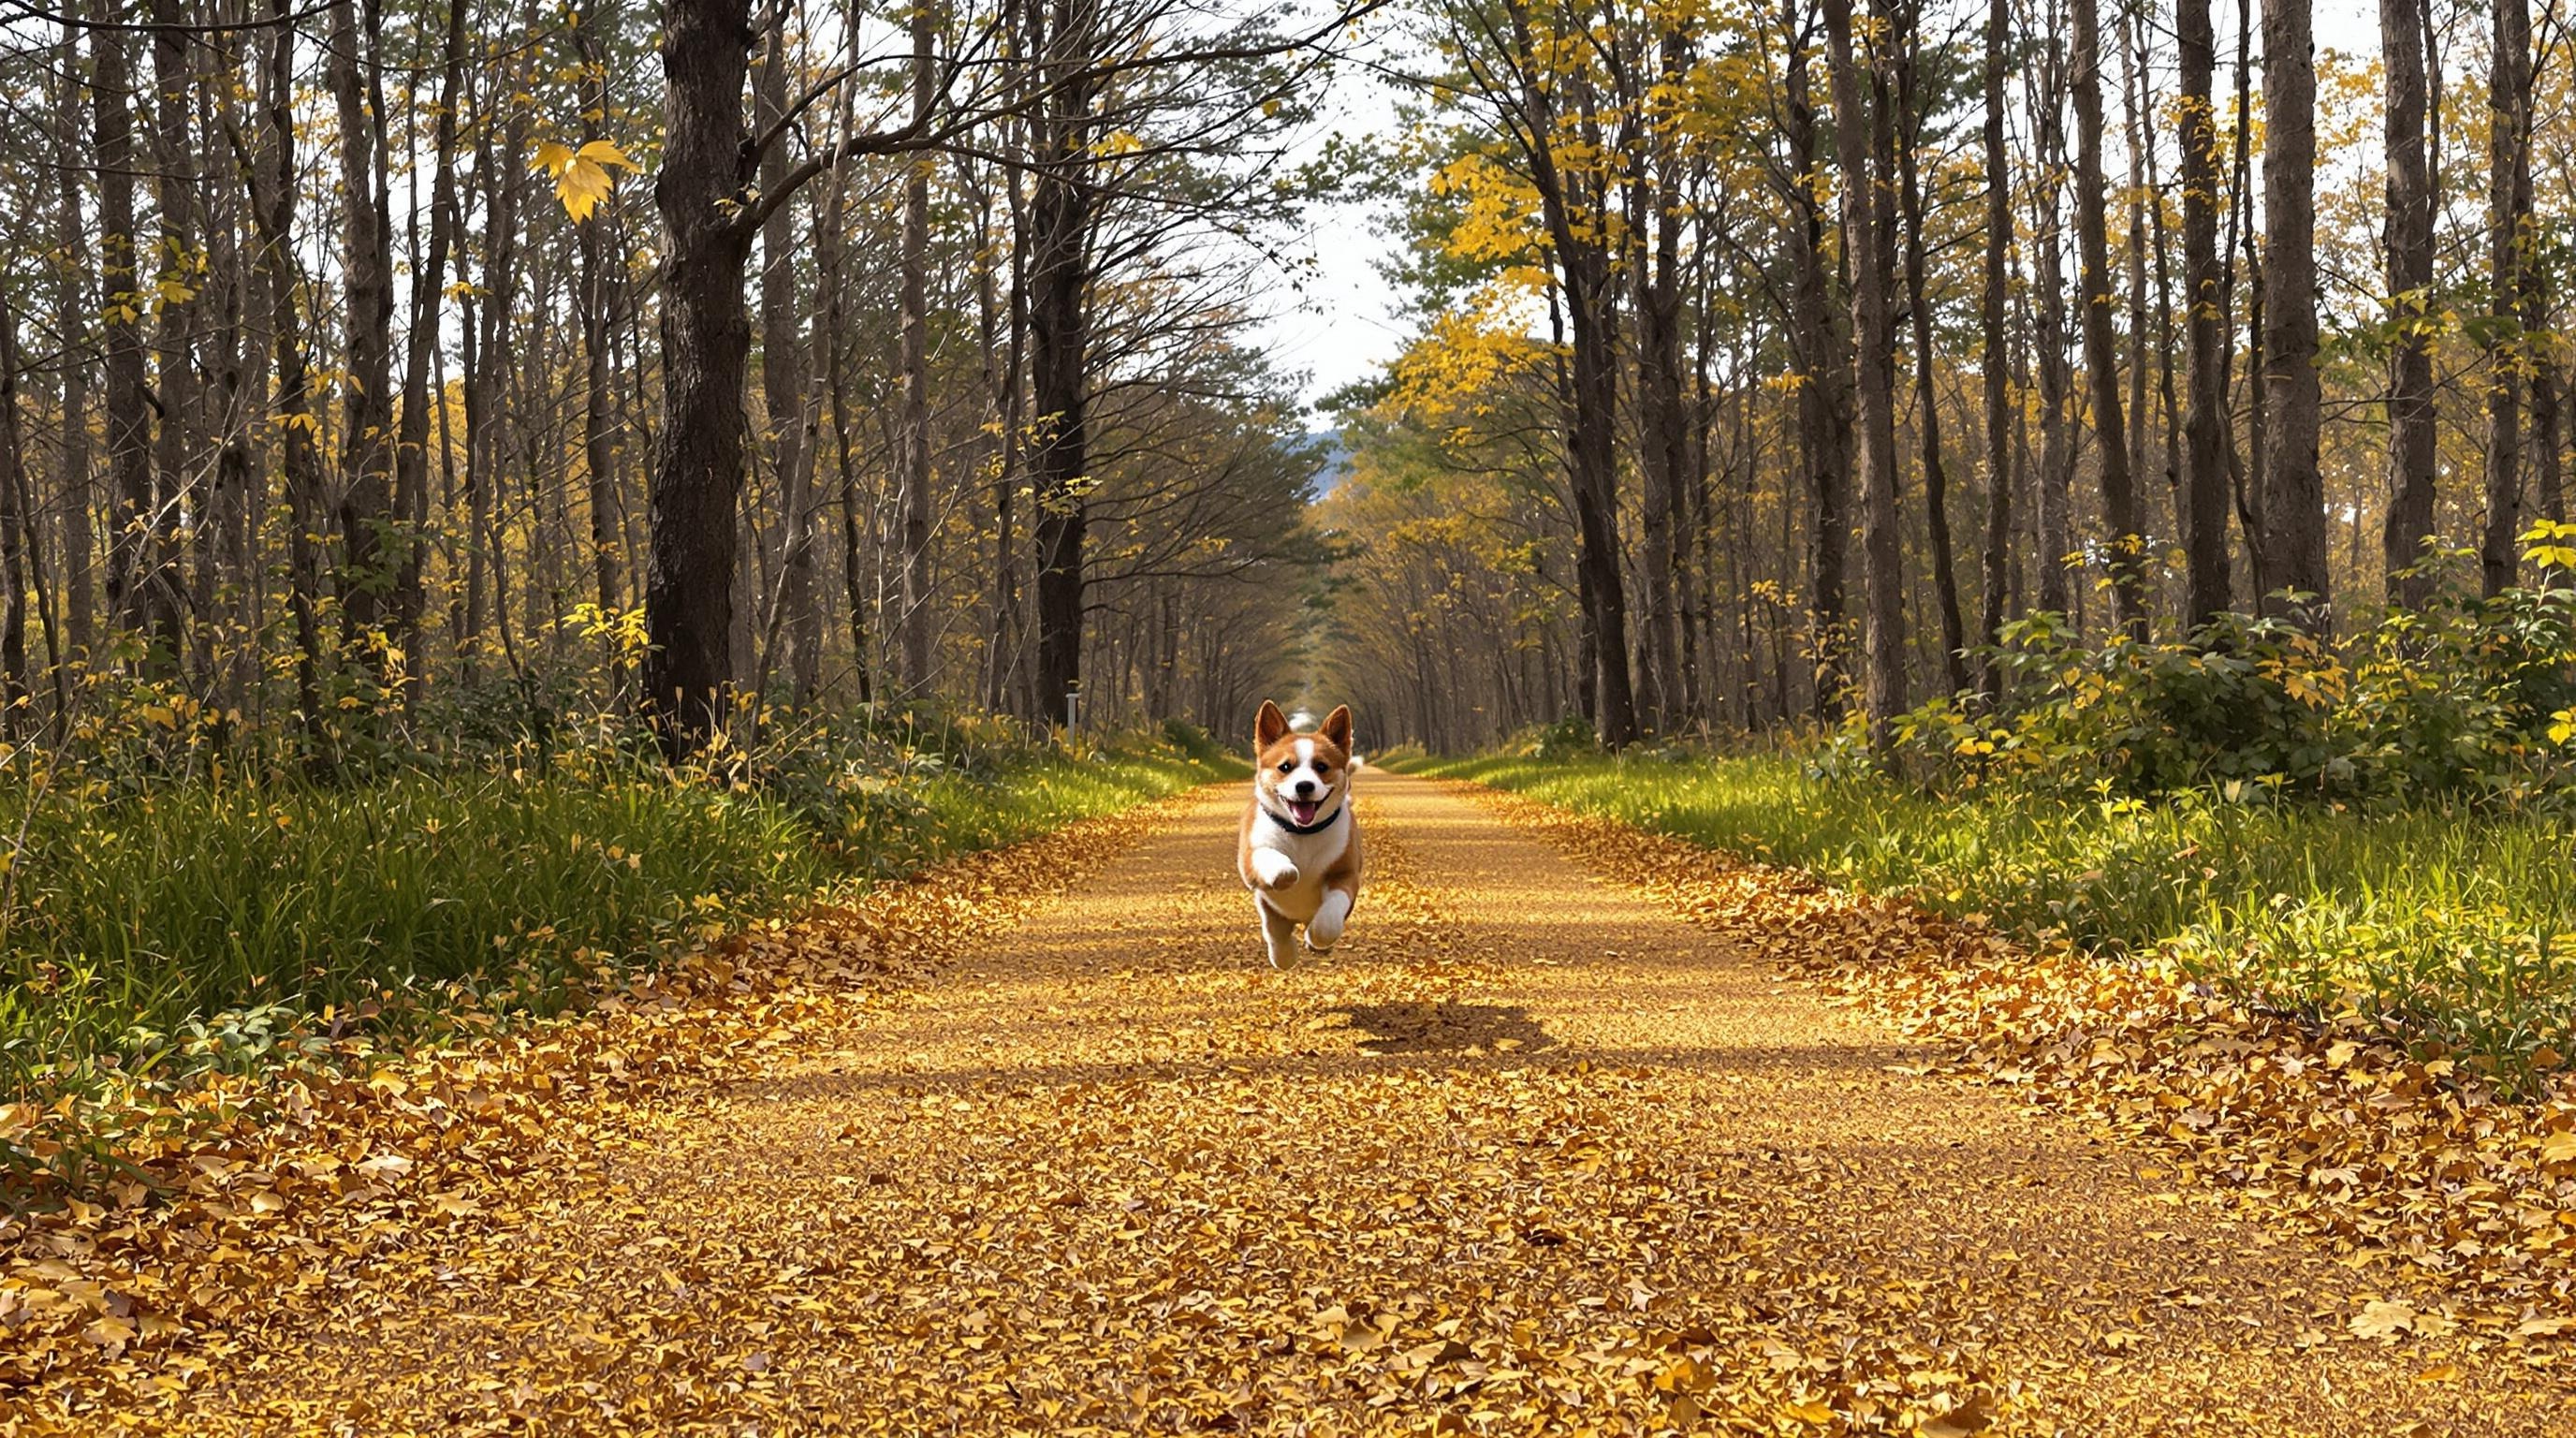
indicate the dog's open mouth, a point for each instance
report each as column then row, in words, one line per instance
column 1303, row 810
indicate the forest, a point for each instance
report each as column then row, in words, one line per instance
column 631, row 631
column 1780, row 362
column 374, row 365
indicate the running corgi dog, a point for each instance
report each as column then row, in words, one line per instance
column 1300, row 847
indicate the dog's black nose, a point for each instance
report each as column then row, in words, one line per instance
column 1308, row 788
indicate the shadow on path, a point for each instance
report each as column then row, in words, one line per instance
column 1418, row 1028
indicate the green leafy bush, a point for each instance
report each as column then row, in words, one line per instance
column 2461, row 699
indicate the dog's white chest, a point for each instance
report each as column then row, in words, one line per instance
column 1312, row 854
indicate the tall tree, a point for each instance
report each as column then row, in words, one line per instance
column 73, row 305
column 2207, row 460
column 1993, row 363
column 1861, row 135
column 1821, row 351
column 427, row 319
column 783, row 383
column 271, row 168
column 2101, row 361
column 1664, row 418
column 2508, row 279
column 369, row 550
column 1573, row 203
column 178, row 281
column 602, row 276
column 2411, row 434
column 912, row 323
column 1063, row 134
column 1913, row 112
column 708, row 161
column 2057, row 448
column 16, row 554
column 2291, row 508
column 145, row 602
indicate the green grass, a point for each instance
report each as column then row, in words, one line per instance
column 197, row 925
column 2458, row 924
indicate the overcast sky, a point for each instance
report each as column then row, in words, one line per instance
column 1337, row 323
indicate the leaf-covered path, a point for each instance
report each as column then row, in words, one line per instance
column 1526, row 1155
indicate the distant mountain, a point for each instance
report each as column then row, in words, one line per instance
column 1333, row 460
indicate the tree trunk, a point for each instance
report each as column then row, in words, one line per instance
column 2142, row 511
column 2292, row 508
column 144, row 606
column 1665, row 415
column 428, row 295
column 73, row 306
column 1583, row 263
column 179, row 282
column 486, row 393
column 783, row 383
column 369, row 557
column 1060, row 214
column 912, row 322
column 2206, row 438
column 1007, row 690
column 15, row 552
column 706, row 347
column 2057, row 450
column 595, row 302
column 300, row 460
column 1822, row 354
column 2126, row 547
column 1995, row 363
column 1927, row 397
column 2411, row 436
column 234, row 594
column 2141, row 134
column 1860, row 130
column 2508, row 219
column 831, row 246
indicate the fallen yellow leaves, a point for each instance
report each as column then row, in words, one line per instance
column 1522, row 1157
column 2393, row 1159
column 254, row 1197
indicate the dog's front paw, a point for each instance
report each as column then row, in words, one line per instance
column 1283, row 876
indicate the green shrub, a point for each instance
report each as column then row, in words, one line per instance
column 1569, row 737
column 2464, row 698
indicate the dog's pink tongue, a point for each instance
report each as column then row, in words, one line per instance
column 1304, row 810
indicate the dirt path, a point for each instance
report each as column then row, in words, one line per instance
column 1525, row 1156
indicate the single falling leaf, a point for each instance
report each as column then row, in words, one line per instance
column 581, row 175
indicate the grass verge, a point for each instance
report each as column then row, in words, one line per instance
column 153, row 935
column 2456, row 926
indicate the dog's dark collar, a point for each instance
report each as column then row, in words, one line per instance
column 1319, row 826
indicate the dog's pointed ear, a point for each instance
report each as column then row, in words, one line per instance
column 1337, row 727
column 1268, row 727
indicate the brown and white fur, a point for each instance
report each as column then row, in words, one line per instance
column 1300, row 847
